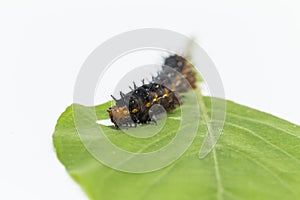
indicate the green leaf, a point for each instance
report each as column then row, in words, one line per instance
column 256, row 157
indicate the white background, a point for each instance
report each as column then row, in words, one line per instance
column 255, row 45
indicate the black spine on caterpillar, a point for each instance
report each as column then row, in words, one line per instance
column 133, row 108
column 147, row 95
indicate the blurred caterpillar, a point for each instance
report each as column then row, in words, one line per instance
column 133, row 108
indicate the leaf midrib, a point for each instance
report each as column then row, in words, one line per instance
column 203, row 108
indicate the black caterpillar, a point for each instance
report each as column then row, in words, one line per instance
column 133, row 108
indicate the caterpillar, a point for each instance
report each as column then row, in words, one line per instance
column 164, row 89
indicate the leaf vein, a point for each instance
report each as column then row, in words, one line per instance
column 264, row 140
column 263, row 166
